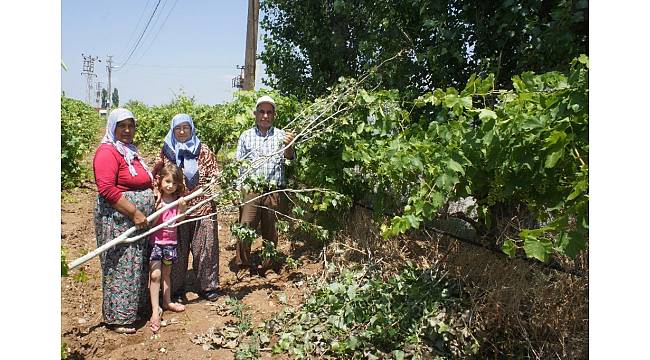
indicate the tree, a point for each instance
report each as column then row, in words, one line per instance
column 116, row 98
column 104, row 99
column 310, row 44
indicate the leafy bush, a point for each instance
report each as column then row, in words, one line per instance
column 524, row 148
column 79, row 133
column 413, row 313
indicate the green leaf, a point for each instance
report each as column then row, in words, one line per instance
column 352, row 293
column 486, row 85
column 413, row 221
column 487, row 138
column 532, row 123
column 578, row 189
column 509, row 248
column 555, row 138
column 367, row 97
column 453, row 165
column 64, row 264
column 347, row 154
column 572, row 243
column 584, row 59
column 466, row 102
column 353, row 343
column 538, row 248
column 553, row 158
column 417, row 163
column 445, row 181
column 487, row 114
column 398, row 354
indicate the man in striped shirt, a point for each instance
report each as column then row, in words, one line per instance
column 266, row 148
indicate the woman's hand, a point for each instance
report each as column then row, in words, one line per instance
column 139, row 220
column 126, row 208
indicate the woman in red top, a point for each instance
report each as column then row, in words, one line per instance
column 125, row 199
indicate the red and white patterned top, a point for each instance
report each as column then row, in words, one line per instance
column 207, row 169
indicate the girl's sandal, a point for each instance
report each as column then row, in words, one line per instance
column 154, row 325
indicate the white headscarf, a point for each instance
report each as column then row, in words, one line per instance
column 128, row 151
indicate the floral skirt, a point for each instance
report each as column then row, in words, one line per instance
column 201, row 237
column 125, row 269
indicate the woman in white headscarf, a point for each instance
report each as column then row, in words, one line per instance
column 183, row 148
column 125, row 198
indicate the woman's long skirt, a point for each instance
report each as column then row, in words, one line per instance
column 202, row 238
column 125, row 267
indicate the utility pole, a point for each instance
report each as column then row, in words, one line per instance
column 251, row 44
column 238, row 81
column 109, row 67
column 98, row 95
column 89, row 71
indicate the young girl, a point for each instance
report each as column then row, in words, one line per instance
column 169, row 186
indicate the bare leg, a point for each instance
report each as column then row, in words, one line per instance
column 154, row 290
column 166, row 280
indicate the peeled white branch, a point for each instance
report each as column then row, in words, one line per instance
column 169, row 221
column 251, row 200
column 124, row 236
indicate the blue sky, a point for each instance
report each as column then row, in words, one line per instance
column 190, row 46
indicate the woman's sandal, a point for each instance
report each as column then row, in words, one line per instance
column 175, row 307
column 211, row 295
column 121, row 329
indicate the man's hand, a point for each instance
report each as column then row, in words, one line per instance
column 288, row 138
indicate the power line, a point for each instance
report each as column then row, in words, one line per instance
column 158, row 32
column 141, row 35
column 154, row 23
column 135, row 29
column 182, row 66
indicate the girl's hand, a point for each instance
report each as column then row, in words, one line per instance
column 156, row 190
column 182, row 205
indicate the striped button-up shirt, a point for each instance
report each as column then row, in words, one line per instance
column 253, row 146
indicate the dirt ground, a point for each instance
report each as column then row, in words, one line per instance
column 81, row 300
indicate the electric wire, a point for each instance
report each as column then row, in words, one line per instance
column 131, row 37
column 158, row 32
column 183, row 66
column 141, row 35
column 153, row 26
